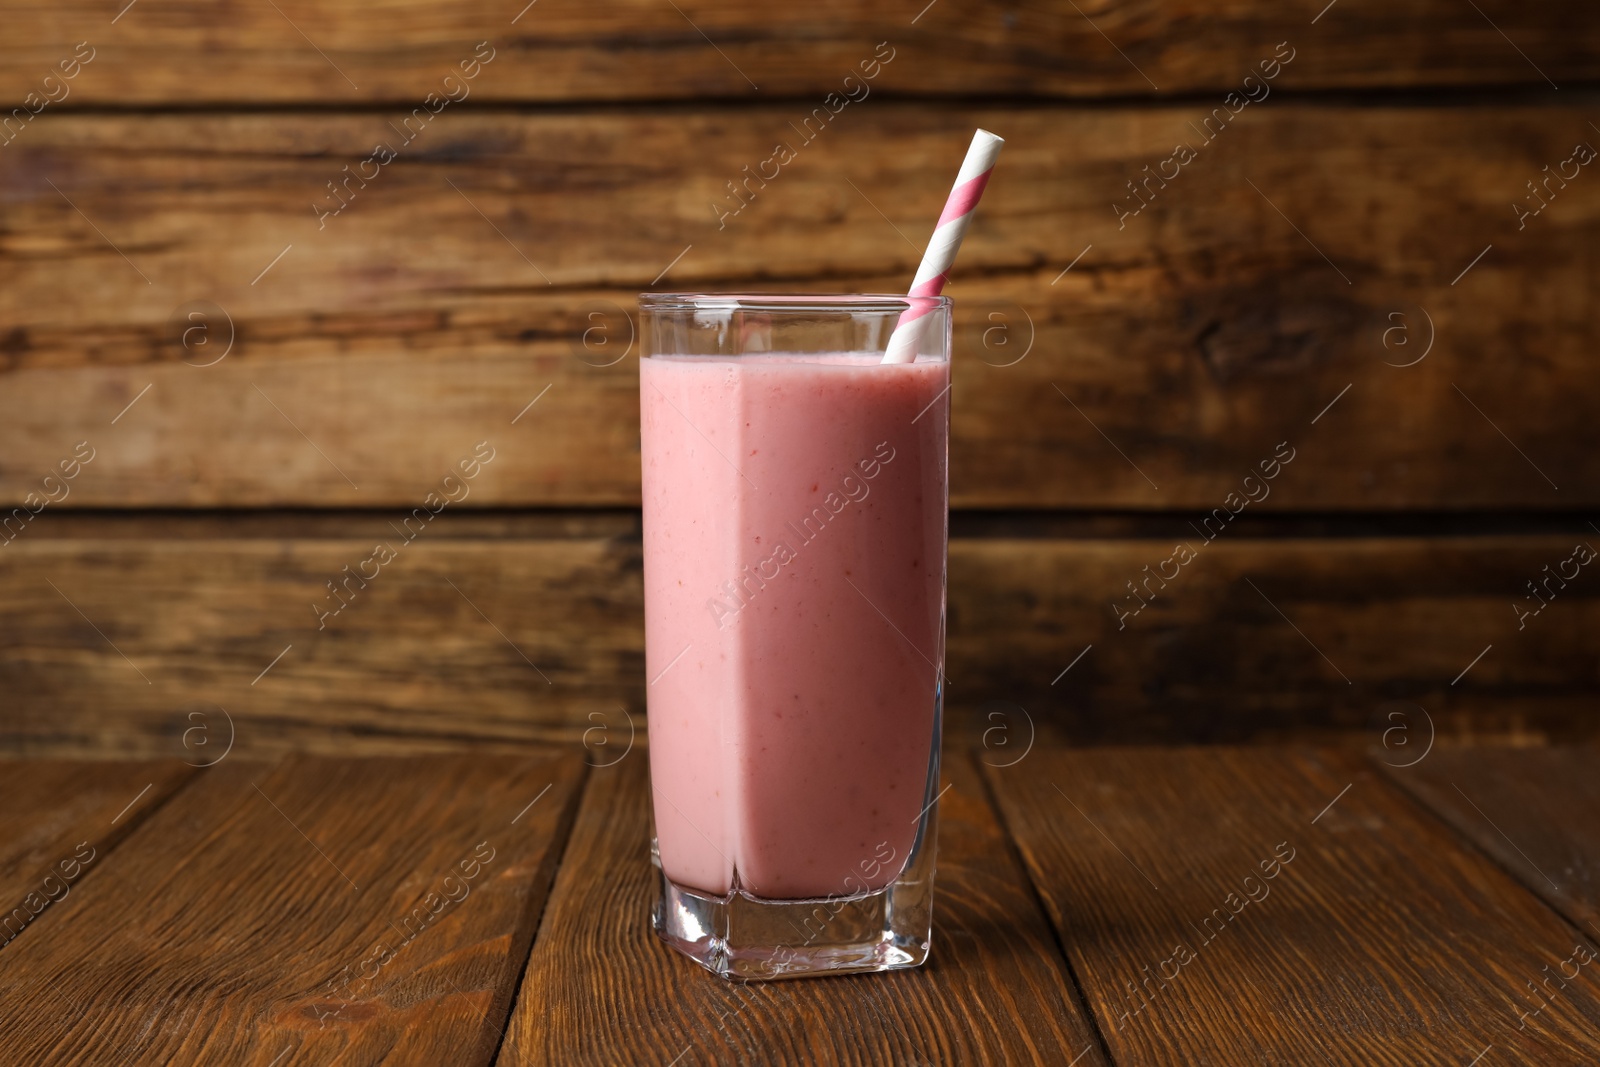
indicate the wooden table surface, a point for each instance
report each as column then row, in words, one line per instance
column 1095, row 906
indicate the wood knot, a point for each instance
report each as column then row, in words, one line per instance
column 1273, row 325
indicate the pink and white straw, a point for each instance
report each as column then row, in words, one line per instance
column 942, row 247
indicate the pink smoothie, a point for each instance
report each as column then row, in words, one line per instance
column 794, row 536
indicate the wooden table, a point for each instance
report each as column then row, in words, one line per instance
column 1100, row 906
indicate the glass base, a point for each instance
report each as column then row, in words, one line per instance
column 745, row 938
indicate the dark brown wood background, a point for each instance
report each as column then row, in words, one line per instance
column 1341, row 269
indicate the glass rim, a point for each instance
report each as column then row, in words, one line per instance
column 873, row 302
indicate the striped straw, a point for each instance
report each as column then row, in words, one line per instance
column 946, row 241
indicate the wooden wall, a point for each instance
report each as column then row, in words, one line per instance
column 1339, row 274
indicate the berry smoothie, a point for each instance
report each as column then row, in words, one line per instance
column 794, row 536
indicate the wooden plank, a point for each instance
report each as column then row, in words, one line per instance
column 1535, row 810
column 360, row 910
column 343, row 53
column 451, row 640
column 1261, row 638
column 1345, row 926
column 64, row 818
column 600, row 988
column 1183, row 346
column 224, row 628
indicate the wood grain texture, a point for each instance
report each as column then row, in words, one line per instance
column 62, row 818
column 451, row 640
column 1383, row 941
column 191, row 52
column 302, row 908
column 456, row 287
column 1271, row 638
column 541, row 639
column 1535, row 810
column 994, row 990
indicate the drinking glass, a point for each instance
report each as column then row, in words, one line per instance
column 795, row 534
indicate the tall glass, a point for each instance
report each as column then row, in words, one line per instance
column 795, row 533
